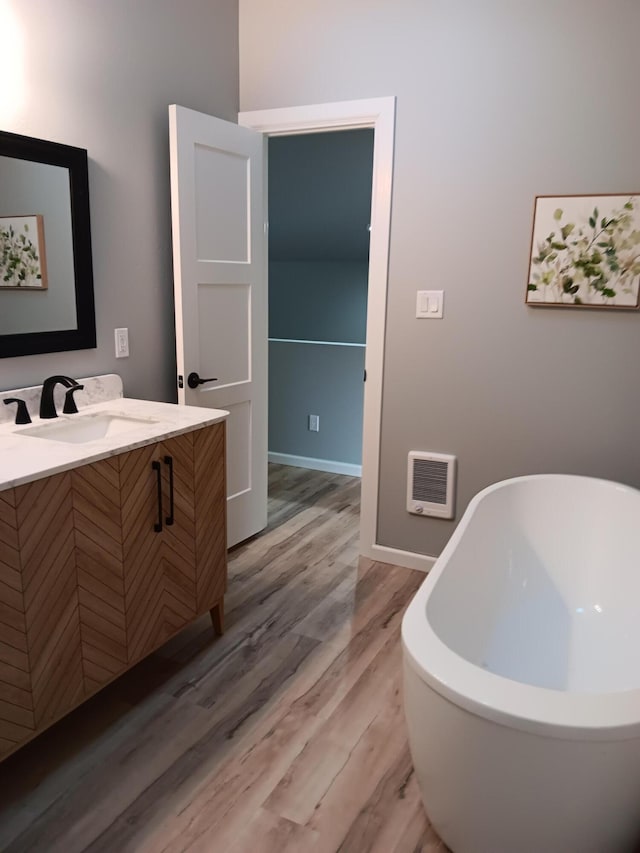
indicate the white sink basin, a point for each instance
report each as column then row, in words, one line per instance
column 82, row 428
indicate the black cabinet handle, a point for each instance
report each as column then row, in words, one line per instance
column 168, row 460
column 156, row 467
column 193, row 380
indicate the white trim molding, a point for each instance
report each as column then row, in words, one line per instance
column 328, row 465
column 379, row 114
column 315, row 343
column 397, row 557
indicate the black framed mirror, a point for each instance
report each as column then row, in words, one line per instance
column 46, row 267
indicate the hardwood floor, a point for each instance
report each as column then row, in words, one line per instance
column 285, row 735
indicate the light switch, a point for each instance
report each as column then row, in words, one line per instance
column 430, row 304
column 122, row 343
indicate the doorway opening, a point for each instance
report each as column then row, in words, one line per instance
column 320, row 187
column 377, row 114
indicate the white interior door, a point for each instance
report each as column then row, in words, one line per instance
column 218, row 201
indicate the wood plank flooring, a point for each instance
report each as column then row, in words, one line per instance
column 285, row 735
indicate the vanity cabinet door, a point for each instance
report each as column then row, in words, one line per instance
column 45, row 525
column 100, row 570
column 210, row 518
column 160, row 542
column 17, row 718
column 142, row 513
column 48, row 598
column 178, row 540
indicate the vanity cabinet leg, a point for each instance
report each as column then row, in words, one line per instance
column 217, row 617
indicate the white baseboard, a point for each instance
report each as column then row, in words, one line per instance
column 406, row 559
column 328, row 465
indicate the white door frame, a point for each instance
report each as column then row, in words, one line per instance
column 378, row 114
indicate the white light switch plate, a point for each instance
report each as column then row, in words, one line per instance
column 122, row 343
column 430, row 304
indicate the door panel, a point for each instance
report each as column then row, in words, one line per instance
column 221, row 233
column 239, row 468
column 219, row 246
column 228, row 352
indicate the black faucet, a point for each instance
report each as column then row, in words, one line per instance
column 47, row 404
column 22, row 413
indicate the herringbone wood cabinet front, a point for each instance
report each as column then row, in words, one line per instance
column 89, row 584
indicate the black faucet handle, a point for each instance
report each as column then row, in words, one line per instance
column 70, row 407
column 22, row 413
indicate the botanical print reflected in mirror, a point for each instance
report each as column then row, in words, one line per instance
column 22, row 254
column 585, row 252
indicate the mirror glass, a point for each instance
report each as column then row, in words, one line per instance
column 46, row 279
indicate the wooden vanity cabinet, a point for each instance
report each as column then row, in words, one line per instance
column 99, row 566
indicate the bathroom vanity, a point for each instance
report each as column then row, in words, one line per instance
column 109, row 545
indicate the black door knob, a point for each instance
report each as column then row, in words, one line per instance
column 193, row 380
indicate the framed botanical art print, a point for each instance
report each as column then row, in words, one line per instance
column 585, row 252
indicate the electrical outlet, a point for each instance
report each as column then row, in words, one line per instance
column 122, row 343
column 314, row 423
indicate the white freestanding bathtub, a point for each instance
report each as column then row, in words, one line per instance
column 522, row 671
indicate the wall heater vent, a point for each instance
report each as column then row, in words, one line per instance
column 431, row 484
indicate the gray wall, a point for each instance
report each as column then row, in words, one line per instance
column 320, row 196
column 319, row 207
column 318, row 380
column 100, row 75
column 318, row 300
column 496, row 102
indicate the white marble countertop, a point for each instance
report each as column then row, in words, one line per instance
column 25, row 458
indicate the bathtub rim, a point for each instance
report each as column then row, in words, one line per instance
column 538, row 710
